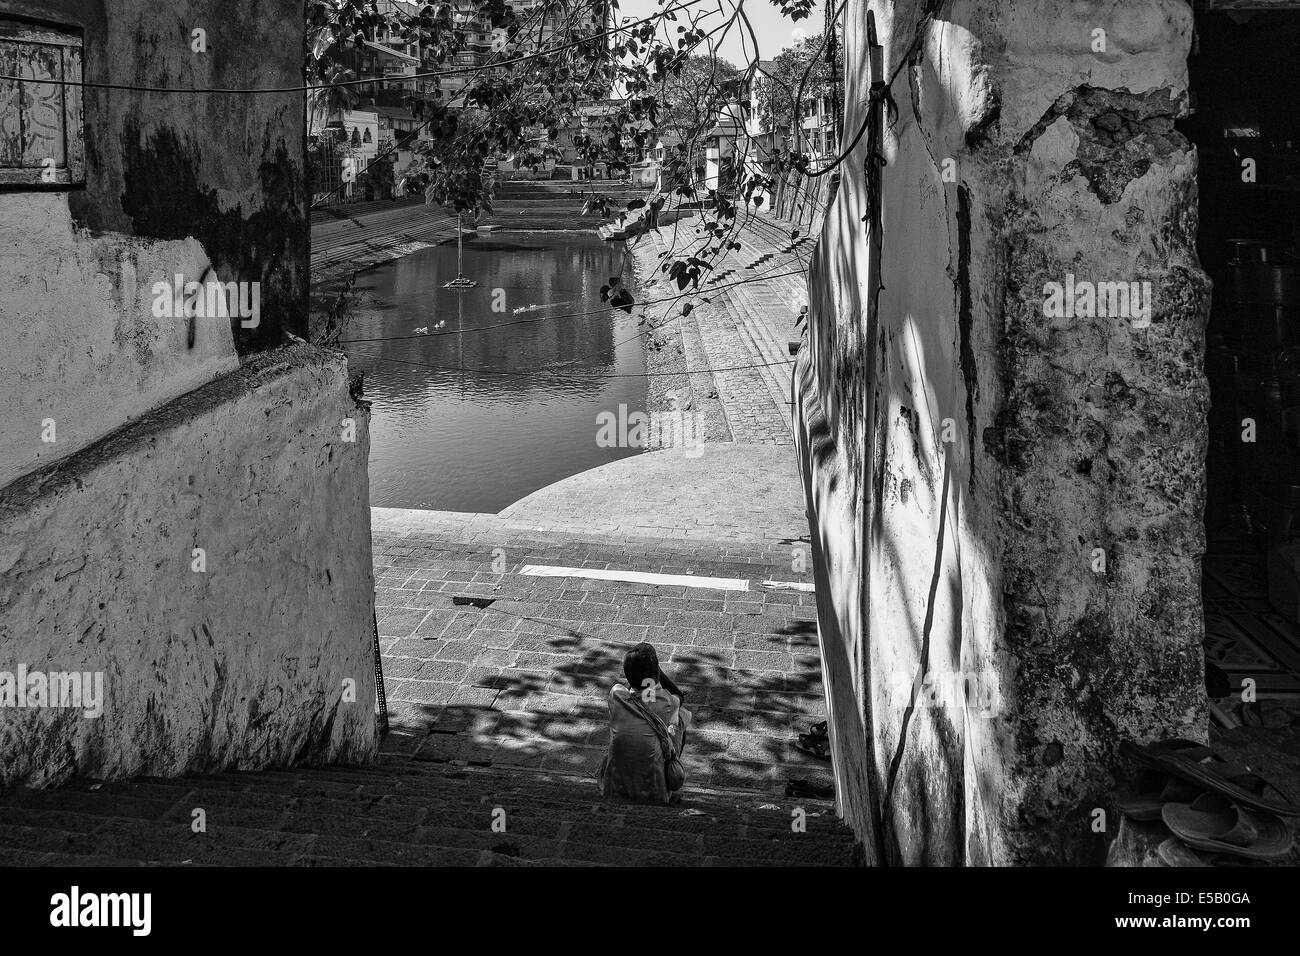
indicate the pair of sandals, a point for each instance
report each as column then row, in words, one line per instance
column 1207, row 802
column 816, row 743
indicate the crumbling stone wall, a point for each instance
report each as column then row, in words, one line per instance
column 1002, row 491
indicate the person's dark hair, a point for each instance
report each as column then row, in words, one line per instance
column 641, row 662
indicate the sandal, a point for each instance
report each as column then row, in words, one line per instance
column 1200, row 765
column 819, row 747
column 1174, row 852
column 802, row 788
column 1214, row 822
column 1152, row 790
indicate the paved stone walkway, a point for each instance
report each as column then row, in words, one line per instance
column 523, row 681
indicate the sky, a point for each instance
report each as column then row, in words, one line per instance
column 774, row 31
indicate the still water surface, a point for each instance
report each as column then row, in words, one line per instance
column 454, row 437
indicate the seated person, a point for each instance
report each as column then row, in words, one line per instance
column 633, row 768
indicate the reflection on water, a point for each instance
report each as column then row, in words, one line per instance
column 457, row 439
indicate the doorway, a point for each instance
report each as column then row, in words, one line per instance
column 1245, row 123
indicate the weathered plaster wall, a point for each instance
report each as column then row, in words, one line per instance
column 82, row 347
column 965, row 454
column 240, row 666
column 227, row 440
column 225, row 169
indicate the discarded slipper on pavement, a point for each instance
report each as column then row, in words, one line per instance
column 1151, row 791
column 1148, row 755
column 816, row 742
column 1200, row 765
column 1174, row 852
column 1214, row 822
column 818, row 747
column 805, row 788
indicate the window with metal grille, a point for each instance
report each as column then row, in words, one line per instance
column 41, row 128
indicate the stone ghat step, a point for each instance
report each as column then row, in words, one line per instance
column 492, row 532
column 478, row 557
column 549, row 199
column 570, row 187
column 405, row 814
column 568, row 209
column 441, row 796
column 552, row 222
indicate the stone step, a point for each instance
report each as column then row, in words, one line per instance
column 396, row 788
column 404, row 813
column 439, row 531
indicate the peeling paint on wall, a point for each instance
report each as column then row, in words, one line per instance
column 1073, row 433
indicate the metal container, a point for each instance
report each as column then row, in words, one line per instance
column 1266, row 299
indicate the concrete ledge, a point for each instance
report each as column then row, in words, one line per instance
column 240, row 665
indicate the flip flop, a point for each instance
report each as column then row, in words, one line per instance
column 1152, row 790
column 1251, row 714
column 1200, row 765
column 1214, row 822
column 802, row 788
column 817, row 732
column 819, row 747
column 1148, row 755
column 1174, row 852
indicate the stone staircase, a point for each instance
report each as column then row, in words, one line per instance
column 540, row 206
column 767, row 310
column 404, row 811
column 349, row 239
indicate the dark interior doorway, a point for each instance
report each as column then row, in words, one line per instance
column 1245, row 122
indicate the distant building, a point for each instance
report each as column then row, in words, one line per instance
column 485, row 46
column 720, row 148
column 397, row 107
column 766, row 143
column 384, row 121
column 817, row 128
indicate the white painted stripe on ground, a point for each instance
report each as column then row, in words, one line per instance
column 649, row 577
column 636, row 577
column 789, row 586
